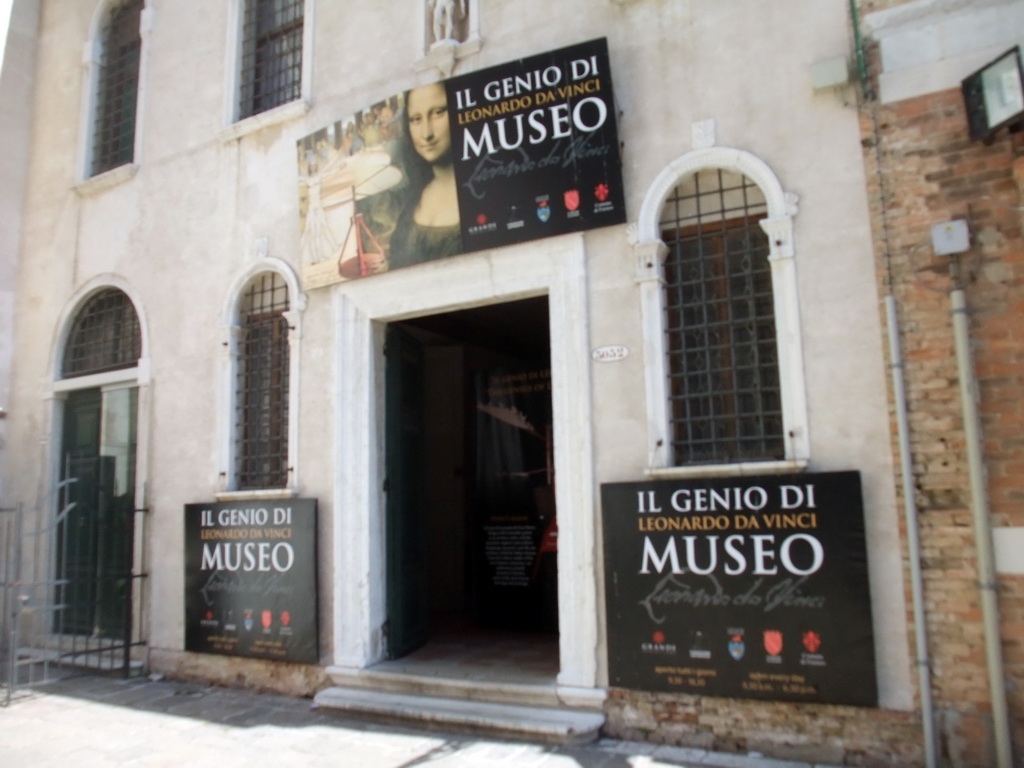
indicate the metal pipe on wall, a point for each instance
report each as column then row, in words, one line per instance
column 913, row 540
column 982, row 530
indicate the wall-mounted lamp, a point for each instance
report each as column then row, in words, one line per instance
column 994, row 95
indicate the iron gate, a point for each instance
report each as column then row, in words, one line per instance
column 71, row 593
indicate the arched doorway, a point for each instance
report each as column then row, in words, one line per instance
column 95, row 531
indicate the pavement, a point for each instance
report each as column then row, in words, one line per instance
column 89, row 720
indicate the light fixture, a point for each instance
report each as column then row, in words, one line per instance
column 994, row 95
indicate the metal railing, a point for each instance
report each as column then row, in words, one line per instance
column 56, row 618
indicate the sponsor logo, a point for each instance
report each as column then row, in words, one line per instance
column 483, row 224
column 601, row 192
column 247, row 620
column 266, row 618
column 773, row 642
column 697, row 649
column 812, row 641
column 812, row 644
column 543, row 209
column 572, row 199
column 515, row 218
column 737, row 647
column 286, row 619
column 659, row 644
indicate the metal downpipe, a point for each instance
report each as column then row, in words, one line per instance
column 982, row 530
column 924, row 666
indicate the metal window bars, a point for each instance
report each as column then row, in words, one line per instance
column 261, row 398
column 104, row 337
column 117, row 87
column 724, row 392
column 271, row 66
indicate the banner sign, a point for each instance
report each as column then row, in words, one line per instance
column 250, row 579
column 516, row 152
column 749, row 587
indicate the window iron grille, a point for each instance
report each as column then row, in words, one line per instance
column 724, row 391
column 105, row 336
column 117, row 87
column 271, row 68
column 261, row 429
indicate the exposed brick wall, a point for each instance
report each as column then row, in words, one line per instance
column 809, row 733
column 922, row 169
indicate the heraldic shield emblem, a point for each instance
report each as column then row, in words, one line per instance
column 737, row 647
column 773, row 641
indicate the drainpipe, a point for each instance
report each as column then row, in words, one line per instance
column 902, row 425
column 858, row 47
column 982, row 527
column 913, row 542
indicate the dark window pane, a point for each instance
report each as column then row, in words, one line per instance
column 117, row 87
column 720, row 320
column 271, row 55
column 261, row 401
column 104, row 337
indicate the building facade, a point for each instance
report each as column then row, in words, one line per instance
column 337, row 309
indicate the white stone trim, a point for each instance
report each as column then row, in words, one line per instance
column 445, row 54
column 226, row 481
column 556, row 267
column 927, row 46
column 649, row 252
column 75, row 303
column 107, row 179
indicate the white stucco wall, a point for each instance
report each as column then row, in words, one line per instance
column 201, row 209
column 19, row 20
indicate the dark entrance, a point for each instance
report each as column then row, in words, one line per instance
column 95, row 535
column 471, row 532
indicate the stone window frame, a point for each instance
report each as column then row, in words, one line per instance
column 232, row 334
column 650, row 252
column 234, row 125
column 88, row 182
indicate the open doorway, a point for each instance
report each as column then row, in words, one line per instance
column 471, row 524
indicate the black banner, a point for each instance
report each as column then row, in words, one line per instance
column 536, row 147
column 516, row 152
column 751, row 587
column 250, row 579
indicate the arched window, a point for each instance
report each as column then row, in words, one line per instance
column 105, row 336
column 723, row 366
column 262, row 385
column 100, row 396
column 724, row 361
column 117, row 85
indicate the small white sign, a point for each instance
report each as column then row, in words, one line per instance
column 610, row 354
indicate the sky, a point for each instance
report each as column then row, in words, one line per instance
column 5, row 20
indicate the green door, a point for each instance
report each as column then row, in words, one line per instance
column 95, row 538
column 406, row 570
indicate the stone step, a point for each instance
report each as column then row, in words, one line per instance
column 555, row 725
column 471, row 686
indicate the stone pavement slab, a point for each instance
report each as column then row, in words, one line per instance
column 92, row 721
